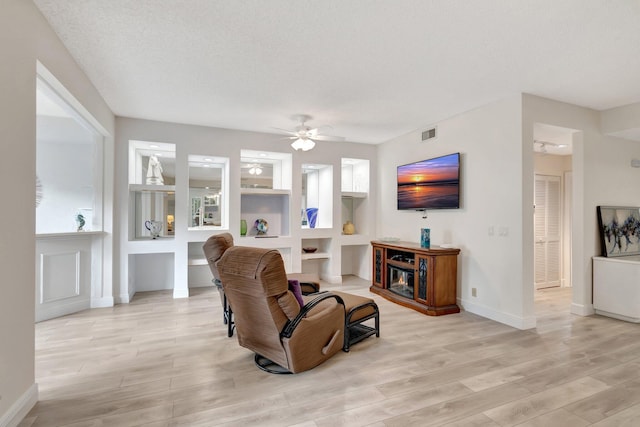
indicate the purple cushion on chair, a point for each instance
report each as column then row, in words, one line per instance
column 294, row 286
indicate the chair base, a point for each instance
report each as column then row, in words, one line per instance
column 358, row 332
column 269, row 366
column 355, row 307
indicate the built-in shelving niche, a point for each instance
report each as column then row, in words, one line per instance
column 317, row 196
column 272, row 206
column 316, row 262
column 355, row 196
column 152, row 174
column 265, row 192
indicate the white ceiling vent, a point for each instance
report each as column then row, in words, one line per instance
column 429, row 134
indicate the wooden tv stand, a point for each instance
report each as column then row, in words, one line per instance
column 423, row 279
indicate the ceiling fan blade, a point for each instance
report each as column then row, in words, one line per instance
column 552, row 144
column 286, row 131
column 328, row 138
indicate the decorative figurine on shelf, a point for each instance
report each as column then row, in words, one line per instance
column 170, row 221
column 154, row 227
column 80, row 222
column 261, row 225
column 348, row 228
column 154, row 171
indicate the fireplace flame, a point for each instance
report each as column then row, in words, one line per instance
column 401, row 280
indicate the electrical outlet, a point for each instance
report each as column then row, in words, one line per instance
column 474, row 292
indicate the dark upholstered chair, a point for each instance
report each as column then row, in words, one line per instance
column 214, row 248
column 285, row 337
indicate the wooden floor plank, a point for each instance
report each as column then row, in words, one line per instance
column 160, row 362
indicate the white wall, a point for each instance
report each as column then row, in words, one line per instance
column 217, row 142
column 602, row 175
column 25, row 37
column 490, row 142
column 546, row 164
column 66, row 172
column 497, row 192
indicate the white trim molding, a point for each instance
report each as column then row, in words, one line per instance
column 20, row 408
column 102, row 302
column 582, row 309
column 522, row 323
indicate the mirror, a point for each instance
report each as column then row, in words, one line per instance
column 207, row 191
column 265, row 170
column 317, row 184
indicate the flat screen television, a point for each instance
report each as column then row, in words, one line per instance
column 430, row 184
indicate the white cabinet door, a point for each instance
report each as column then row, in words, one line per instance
column 63, row 275
column 547, row 229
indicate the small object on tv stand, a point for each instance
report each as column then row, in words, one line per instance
column 425, row 238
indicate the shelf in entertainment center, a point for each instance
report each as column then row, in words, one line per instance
column 315, row 255
column 268, row 242
column 354, row 194
column 316, row 233
column 401, row 264
column 354, row 239
column 264, row 191
column 157, row 188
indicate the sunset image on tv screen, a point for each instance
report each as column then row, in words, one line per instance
column 429, row 184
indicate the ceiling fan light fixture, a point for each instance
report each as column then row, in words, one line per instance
column 304, row 144
column 255, row 170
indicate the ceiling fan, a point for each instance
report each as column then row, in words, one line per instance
column 304, row 136
column 544, row 144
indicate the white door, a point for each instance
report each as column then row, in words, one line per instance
column 547, row 228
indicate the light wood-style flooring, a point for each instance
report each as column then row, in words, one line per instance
column 161, row 362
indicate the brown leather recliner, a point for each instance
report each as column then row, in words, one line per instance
column 215, row 247
column 269, row 320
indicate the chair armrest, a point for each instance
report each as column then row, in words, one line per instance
column 291, row 325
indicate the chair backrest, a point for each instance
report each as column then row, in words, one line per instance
column 255, row 283
column 214, row 248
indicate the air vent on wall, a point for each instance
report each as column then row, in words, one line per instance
column 429, row 134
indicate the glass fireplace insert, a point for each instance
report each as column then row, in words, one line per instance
column 400, row 281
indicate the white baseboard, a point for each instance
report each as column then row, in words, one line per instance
column 618, row 316
column 582, row 309
column 102, row 302
column 123, row 299
column 61, row 308
column 334, row 280
column 201, row 285
column 522, row 323
column 20, row 408
column 181, row 293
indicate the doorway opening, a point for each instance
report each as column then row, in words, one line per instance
column 553, row 183
column 69, row 208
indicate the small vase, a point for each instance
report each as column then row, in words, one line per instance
column 243, row 227
column 425, row 238
column 348, row 228
column 312, row 215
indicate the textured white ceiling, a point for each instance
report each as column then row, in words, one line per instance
column 372, row 70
